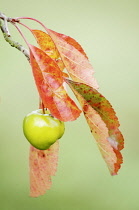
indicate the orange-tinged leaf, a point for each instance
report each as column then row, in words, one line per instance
column 47, row 45
column 103, row 123
column 49, row 81
column 43, row 165
column 74, row 58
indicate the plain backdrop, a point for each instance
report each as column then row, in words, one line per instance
column 108, row 30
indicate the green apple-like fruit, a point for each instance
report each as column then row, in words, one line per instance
column 42, row 130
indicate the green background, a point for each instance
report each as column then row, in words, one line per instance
column 109, row 34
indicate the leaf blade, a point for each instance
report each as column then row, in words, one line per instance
column 49, row 81
column 103, row 123
column 47, row 45
column 43, row 165
column 74, row 59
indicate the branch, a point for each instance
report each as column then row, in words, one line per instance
column 4, row 28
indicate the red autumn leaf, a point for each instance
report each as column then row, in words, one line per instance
column 47, row 45
column 43, row 165
column 103, row 123
column 74, row 58
column 49, row 81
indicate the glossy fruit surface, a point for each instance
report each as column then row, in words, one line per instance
column 42, row 130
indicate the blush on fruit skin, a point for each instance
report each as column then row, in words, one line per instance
column 42, row 130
